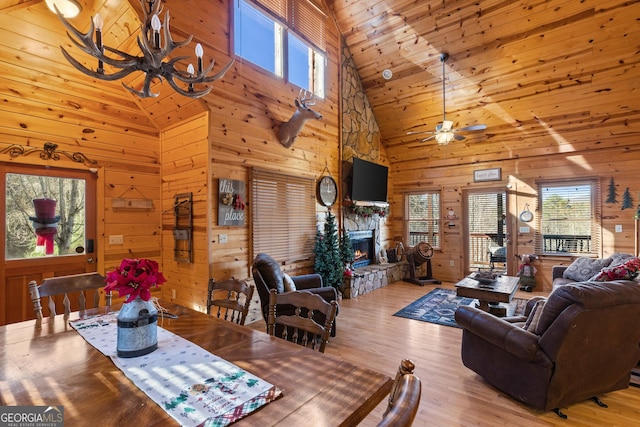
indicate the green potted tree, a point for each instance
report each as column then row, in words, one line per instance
column 328, row 262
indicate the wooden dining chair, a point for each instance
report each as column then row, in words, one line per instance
column 81, row 284
column 404, row 397
column 235, row 306
column 300, row 327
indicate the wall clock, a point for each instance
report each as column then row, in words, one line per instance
column 327, row 191
column 526, row 215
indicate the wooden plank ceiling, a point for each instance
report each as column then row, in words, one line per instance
column 544, row 76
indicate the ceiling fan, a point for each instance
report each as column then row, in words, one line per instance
column 445, row 133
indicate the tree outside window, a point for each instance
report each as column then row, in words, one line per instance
column 68, row 220
column 568, row 218
column 423, row 218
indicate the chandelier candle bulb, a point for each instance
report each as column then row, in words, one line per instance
column 191, row 71
column 155, row 24
column 199, row 55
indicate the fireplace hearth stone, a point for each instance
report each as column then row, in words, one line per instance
column 372, row 277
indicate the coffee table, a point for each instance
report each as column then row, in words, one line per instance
column 489, row 296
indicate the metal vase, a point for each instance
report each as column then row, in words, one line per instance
column 137, row 328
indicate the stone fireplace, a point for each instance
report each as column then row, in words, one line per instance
column 369, row 274
column 364, row 233
column 363, row 245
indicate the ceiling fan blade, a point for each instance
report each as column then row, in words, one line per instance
column 458, row 137
column 419, row 132
column 428, row 138
column 473, row 127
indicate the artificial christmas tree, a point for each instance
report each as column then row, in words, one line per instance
column 328, row 262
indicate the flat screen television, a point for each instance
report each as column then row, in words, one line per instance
column 368, row 181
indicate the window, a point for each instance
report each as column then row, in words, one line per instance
column 423, row 218
column 283, row 215
column 568, row 218
column 45, row 215
column 285, row 37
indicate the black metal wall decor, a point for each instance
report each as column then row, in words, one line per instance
column 48, row 152
column 183, row 229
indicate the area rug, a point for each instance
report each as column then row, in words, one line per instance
column 440, row 305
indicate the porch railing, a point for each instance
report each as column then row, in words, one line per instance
column 562, row 243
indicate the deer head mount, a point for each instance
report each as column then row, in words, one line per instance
column 289, row 130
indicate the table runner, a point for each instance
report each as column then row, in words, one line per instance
column 192, row 385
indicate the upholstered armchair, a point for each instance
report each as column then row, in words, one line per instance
column 581, row 342
column 268, row 275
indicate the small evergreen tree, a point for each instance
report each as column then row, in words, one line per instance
column 612, row 197
column 346, row 251
column 328, row 263
column 627, row 200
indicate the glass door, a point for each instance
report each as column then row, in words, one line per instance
column 49, row 230
column 487, row 234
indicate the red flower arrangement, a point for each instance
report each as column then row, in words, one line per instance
column 135, row 278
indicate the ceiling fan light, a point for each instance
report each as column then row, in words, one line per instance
column 68, row 8
column 444, row 138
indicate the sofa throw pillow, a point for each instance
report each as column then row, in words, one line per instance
column 583, row 268
column 531, row 324
column 619, row 258
column 289, row 286
column 626, row 271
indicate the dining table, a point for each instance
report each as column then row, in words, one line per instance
column 47, row 362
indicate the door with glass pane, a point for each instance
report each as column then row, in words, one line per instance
column 486, row 228
column 49, row 230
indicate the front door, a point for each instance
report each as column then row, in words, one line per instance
column 487, row 233
column 49, row 230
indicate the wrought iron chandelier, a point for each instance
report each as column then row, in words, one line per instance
column 154, row 62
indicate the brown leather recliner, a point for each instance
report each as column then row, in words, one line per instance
column 586, row 343
column 268, row 275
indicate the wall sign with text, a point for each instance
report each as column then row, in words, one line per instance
column 231, row 204
column 487, row 175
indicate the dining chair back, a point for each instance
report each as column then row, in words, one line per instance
column 235, row 306
column 300, row 327
column 404, row 398
column 80, row 284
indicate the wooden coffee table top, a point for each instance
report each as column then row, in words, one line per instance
column 502, row 290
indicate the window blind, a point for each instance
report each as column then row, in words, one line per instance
column 283, row 215
column 303, row 17
column 487, row 213
column 568, row 217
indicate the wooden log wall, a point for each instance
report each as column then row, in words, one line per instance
column 165, row 145
column 185, row 169
column 521, row 175
column 44, row 99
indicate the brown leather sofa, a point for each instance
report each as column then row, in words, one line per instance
column 586, row 343
column 267, row 275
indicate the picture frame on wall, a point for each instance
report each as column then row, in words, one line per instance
column 483, row 175
column 232, row 195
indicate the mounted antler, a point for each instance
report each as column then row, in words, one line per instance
column 153, row 54
column 289, row 130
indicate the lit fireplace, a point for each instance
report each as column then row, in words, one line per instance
column 363, row 245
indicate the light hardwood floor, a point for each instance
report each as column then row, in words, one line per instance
column 452, row 395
